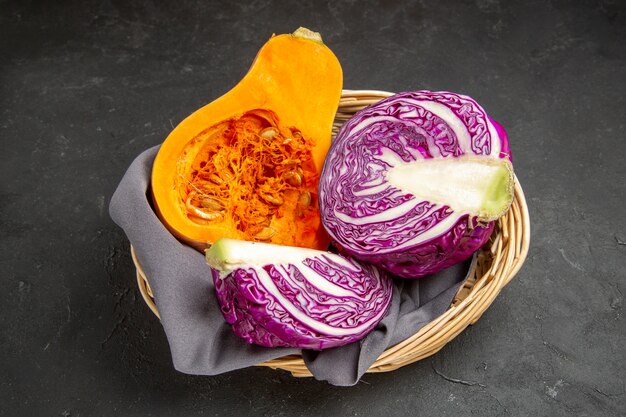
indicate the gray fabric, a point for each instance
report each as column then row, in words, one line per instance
column 201, row 341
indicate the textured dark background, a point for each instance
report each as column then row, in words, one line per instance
column 86, row 86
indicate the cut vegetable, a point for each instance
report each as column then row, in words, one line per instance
column 414, row 182
column 286, row 296
column 478, row 186
column 246, row 165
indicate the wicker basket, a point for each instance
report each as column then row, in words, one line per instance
column 497, row 264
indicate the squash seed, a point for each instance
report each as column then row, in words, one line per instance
column 272, row 199
column 293, row 178
column 305, row 199
column 211, row 204
column 196, row 212
column 216, row 179
column 265, row 234
column 268, row 132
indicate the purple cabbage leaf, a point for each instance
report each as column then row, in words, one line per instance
column 295, row 297
column 414, row 183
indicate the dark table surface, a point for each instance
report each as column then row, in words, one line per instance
column 86, row 86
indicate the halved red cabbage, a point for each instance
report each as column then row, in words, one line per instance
column 286, row 296
column 413, row 183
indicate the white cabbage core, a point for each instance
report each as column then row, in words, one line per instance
column 472, row 185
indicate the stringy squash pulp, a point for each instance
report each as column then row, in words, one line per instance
column 246, row 166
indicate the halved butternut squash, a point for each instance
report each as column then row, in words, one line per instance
column 246, row 165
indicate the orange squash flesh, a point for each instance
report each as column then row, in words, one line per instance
column 246, row 165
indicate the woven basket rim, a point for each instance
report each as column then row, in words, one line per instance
column 498, row 262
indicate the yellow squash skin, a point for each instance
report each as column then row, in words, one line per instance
column 295, row 81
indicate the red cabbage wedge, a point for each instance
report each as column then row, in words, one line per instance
column 414, row 183
column 286, row 296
